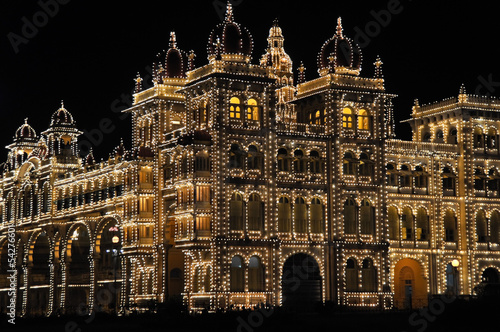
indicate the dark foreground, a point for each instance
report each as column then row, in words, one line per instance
column 459, row 315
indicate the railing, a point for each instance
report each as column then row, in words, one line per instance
column 421, row 146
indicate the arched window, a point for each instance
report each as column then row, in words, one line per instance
column 350, row 214
column 478, row 138
column 365, row 165
column 479, row 179
column 391, row 175
column 450, row 226
column 405, row 177
column 237, row 275
column 255, row 275
column 351, row 276
column 426, row 135
column 236, row 156
column 236, row 212
column 347, row 118
column 481, row 228
column 492, row 139
column 196, row 279
column 283, row 160
column 368, row 276
column 207, row 280
column 235, row 108
column 202, row 162
column 252, row 110
column 422, row 224
column 203, row 112
column 284, row 215
column 493, row 183
column 449, row 182
column 393, row 219
column 407, row 221
column 349, row 164
column 364, row 120
column 315, row 162
column 255, row 213
column 316, row 213
column 253, row 159
column 367, row 217
column 495, row 227
column 452, row 136
column 316, row 117
column 420, row 178
column 299, row 162
column 439, row 136
column 300, row 215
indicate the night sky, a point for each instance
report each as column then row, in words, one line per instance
column 88, row 54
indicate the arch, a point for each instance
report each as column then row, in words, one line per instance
column 393, row 220
column 236, row 212
column 253, row 110
column 237, row 276
column 439, row 136
column 367, row 217
column 422, row 232
column 452, row 136
column 490, row 275
column 349, row 163
column 299, row 162
column 255, row 275
column 364, row 120
column 478, row 138
column 39, row 276
column 407, row 224
column 254, row 158
column 315, row 162
column 235, row 108
column 450, row 226
column 368, row 276
column 317, row 216
column 301, row 283
column 347, row 118
column 300, row 215
column 350, row 216
column 284, row 214
column 410, row 287
column 351, row 275
column 495, row 227
column 481, row 226
column 283, row 161
column 255, row 213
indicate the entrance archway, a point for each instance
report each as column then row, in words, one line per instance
column 39, row 276
column 410, row 287
column 78, row 273
column 301, row 283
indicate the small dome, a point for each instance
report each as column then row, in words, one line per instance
column 62, row 117
column 175, row 60
column 230, row 38
column 25, row 132
column 340, row 55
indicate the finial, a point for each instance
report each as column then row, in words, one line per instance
column 339, row 27
column 191, row 58
column 302, row 73
column 138, row 83
column 229, row 12
column 26, row 121
column 462, row 89
column 378, row 67
column 173, row 40
column 275, row 22
column 62, row 103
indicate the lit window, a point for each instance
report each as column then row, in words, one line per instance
column 252, row 110
column 347, row 118
column 364, row 120
column 235, row 108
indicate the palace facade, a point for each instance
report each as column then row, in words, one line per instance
column 244, row 186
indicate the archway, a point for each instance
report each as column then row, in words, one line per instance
column 39, row 276
column 78, row 270
column 301, row 283
column 410, row 287
column 490, row 276
column 108, row 270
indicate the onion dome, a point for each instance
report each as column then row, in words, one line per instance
column 175, row 60
column 62, row 117
column 340, row 55
column 25, row 133
column 229, row 40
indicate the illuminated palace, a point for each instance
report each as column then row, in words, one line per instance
column 245, row 187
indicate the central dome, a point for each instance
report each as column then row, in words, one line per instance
column 339, row 55
column 229, row 40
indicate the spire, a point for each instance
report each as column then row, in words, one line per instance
column 378, row 68
column 229, row 12
column 339, row 28
column 462, row 94
column 302, row 73
column 275, row 22
column 173, row 40
column 62, row 104
column 191, row 58
column 138, row 83
column 462, row 90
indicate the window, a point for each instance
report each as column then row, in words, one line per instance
column 252, row 110
column 448, row 182
column 347, row 118
column 299, row 162
column 316, row 216
column 236, row 212
column 255, row 275
column 350, row 222
column 405, row 177
column 255, row 213
column 351, row 275
column 283, row 160
column 450, row 226
column 479, row 180
column 367, row 217
column 368, row 276
column 495, row 227
column 439, row 136
column 478, row 138
column 203, row 194
column 316, row 117
column 253, row 159
column 300, row 215
column 422, row 225
column 234, row 108
column 202, row 162
column 393, row 218
column 236, row 156
column 365, row 165
column 481, row 227
column 284, row 215
column 314, row 162
column 237, row 275
column 349, row 164
column 407, row 221
column 363, row 120
column 391, row 175
column 453, row 136
column 492, row 138
column 420, row 177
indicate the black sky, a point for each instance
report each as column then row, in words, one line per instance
column 88, row 53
